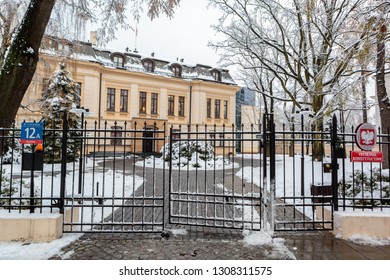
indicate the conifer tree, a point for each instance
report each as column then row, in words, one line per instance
column 63, row 94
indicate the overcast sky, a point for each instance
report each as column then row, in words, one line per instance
column 186, row 35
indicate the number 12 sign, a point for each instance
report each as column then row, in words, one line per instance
column 31, row 133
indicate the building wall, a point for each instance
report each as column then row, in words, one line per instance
column 250, row 121
column 96, row 79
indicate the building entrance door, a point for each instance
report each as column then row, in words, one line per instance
column 148, row 142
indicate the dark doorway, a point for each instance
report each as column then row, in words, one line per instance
column 148, row 141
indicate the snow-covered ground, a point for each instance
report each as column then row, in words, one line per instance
column 35, row 251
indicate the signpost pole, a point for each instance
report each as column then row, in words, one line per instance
column 32, row 202
column 32, row 133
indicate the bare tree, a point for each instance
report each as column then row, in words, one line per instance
column 20, row 49
column 302, row 50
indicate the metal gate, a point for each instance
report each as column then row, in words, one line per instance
column 301, row 194
column 207, row 179
column 114, row 186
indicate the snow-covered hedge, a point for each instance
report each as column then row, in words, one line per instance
column 187, row 151
column 367, row 188
column 190, row 154
column 15, row 192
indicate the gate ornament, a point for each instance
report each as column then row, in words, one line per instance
column 366, row 136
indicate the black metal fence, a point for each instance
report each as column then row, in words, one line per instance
column 105, row 183
column 120, row 177
column 314, row 175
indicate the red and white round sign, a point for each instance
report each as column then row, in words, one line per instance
column 366, row 136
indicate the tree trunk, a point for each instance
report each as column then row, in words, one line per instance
column 21, row 61
column 364, row 94
column 383, row 99
column 318, row 126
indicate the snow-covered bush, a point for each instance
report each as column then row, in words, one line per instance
column 187, row 150
column 188, row 153
column 367, row 188
column 11, row 195
column 13, row 151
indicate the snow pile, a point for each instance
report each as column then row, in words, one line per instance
column 264, row 238
column 35, row 251
column 363, row 239
column 178, row 231
column 257, row 238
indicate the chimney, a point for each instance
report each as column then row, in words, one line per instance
column 182, row 60
column 92, row 38
column 152, row 54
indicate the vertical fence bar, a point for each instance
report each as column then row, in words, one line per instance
column 334, row 163
column 63, row 161
column 164, row 194
column 170, row 172
column 272, row 171
column 81, row 154
column 302, row 161
column 265, row 183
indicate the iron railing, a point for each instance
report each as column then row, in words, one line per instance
column 119, row 177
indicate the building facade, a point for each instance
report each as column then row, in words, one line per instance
column 127, row 87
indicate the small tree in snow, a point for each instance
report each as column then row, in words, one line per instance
column 63, row 94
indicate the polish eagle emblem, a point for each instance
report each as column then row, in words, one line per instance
column 367, row 137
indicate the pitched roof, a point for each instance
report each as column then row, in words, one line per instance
column 133, row 61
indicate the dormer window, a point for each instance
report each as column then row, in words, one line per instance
column 148, row 65
column 216, row 74
column 118, row 60
column 176, row 70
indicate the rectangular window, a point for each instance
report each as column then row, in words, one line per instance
column 225, row 109
column 171, row 105
column 208, row 108
column 124, row 100
column 153, row 109
column 110, row 99
column 217, row 112
column 181, row 106
column 116, row 135
column 142, row 102
column 118, row 61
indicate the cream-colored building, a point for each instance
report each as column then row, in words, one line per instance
column 129, row 87
column 250, row 121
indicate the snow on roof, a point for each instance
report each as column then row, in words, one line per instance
column 133, row 61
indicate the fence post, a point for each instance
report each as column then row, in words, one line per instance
column 63, row 161
column 170, row 170
column 272, row 171
column 334, row 163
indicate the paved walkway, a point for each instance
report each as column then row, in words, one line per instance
column 206, row 243
column 218, row 244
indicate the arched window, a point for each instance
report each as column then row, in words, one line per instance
column 148, row 65
column 118, row 60
column 216, row 74
column 176, row 70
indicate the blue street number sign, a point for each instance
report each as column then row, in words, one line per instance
column 31, row 133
